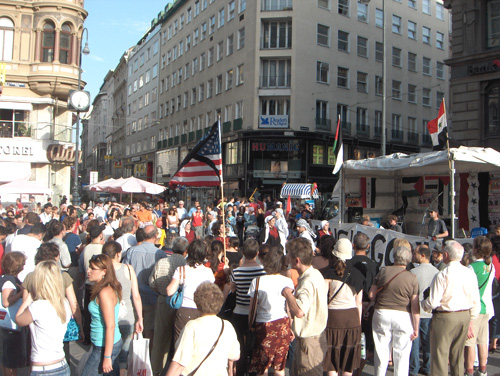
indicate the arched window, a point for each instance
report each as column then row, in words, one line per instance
column 65, row 45
column 6, row 38
column 48, row 42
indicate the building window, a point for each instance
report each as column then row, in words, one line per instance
column 241, row 38
column 229, row 79
column 439, row 11
column 196, row 34
column 379, row 18
column 238, row 110
column 210, row 56
column 343, row 41
column 189, row 13
column 440, row 70
column 231, row 10
column 212, row 25
column 378, row 121
column 412, row 62
column 412, row 93
column 220, row 50
column 439, row 99
column 396, row 24
column 193, row 96
column 230, row 45
column 210, row 88
column 242, row 5
column 396, row 57
column 343, row 112
column 194, row 67
column 396, row 122
column 277, row 35
column 412, row 4
column 379, row 51
column 361, row 119
column 276, row 73
column 344, row 7
column 412, row 30
column 426, row 66
column 65, row 44
column 426, row 6
column 218, row 84
column 362, row 12
column 362, row 47
column 221, row 18
column 322, row 112
column 318, row 156
column 426, row 97
column 322, row 72
column 440, row 40
column 188, row 43
column 426, row 35
column 324, row 4
column 396, row 89
column 203, row 30
column 323, row 35
column 343, row 77
column 362, row 82
column 275, row 106
column 48, row 42
column 239, row 75
column 201, row 93
column 379, row 86
column 202, row 61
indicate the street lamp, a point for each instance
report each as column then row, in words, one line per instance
column 384, row 82
column 83, row 51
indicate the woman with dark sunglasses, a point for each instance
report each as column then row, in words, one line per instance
column 104, row 308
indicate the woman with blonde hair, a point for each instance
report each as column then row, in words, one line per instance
column 104, row 308
column 47, row 312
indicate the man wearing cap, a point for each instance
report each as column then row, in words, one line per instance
column 309, row 308
column 454, row 302
column 436, row 228
column 306, row 232
column 92, row 249
column 143, row 258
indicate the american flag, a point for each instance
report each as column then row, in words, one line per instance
column 202, row 166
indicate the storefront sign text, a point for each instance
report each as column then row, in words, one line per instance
column 61, row 154
column 275, row 146
column 16, row 150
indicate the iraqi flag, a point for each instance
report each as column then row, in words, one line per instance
column 202, row 166
column 438, row 128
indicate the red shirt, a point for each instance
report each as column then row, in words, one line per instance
column 190, row 236
column 197, row 219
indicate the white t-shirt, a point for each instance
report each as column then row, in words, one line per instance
column 196, row 340
column 193, row 278
column 182, row 213
column 126, row 241
column 8, row 285
column 28, row 245
column 270, row 304
column 47, row 331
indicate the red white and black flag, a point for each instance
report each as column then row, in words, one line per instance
column 438, row 128
column 202, row 166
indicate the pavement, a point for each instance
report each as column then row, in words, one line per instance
column 77, row 350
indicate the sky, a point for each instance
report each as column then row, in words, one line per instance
column 113, row 27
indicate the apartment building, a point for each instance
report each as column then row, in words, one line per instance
column 279, row 72
column 475, row 72
column 40, row 54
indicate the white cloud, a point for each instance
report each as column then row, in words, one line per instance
column 96, row 58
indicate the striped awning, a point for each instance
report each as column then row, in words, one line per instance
column 298, row 191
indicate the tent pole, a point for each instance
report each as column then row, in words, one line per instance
column 452, row 194
column 342, row 195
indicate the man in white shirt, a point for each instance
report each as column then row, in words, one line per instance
column 128, row 239
column 455, row 303
column 99, row 211
column 181, row 211
column 46, row 216
column 28, row 245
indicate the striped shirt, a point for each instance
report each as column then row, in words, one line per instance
column 242, row 277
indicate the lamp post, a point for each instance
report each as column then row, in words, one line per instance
column 83, row 51
column 384, row 82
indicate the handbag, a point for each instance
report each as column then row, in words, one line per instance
column 227, row 308
column 211, row 350
column 340, row 288
column 250, row 335
column 368, row 314
column 138, row 357
column 8, row 314
column 72, row 331
column 175, row 301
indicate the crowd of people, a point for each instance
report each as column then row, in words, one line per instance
column 239, row 288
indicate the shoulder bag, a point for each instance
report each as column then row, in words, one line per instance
column 340, row 288
column 252, row 316
column 175, row 301
column 211, row 350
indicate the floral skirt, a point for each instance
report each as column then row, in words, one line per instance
column 271, row 345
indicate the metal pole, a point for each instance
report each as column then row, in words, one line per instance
column 76, row 191
column 384, row 86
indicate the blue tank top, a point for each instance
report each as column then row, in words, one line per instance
column 97, row 327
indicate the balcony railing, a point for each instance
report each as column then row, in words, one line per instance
column 199, row 134
column 184, row 138
column 426, row 140
column 237, row 124
column 323, row 124
column 275, row 44
column 276, row 5
column 226, row 127
column 191, row 136
column 346, row 127
column 412, row 137
column 397, row 134
column 377, row 132
column 271, row 82
column 362, row 130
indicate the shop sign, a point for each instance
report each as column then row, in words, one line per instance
column 273, row 121
column 22, row 150
column 62, row 154
column 275, row 146
column 483, row 68
column 135, row 159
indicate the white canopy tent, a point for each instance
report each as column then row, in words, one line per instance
column 460, row 160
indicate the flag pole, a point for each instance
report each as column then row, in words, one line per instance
column 223, row 227
column 451, row 166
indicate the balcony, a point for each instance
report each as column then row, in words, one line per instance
column 323, row 124
column 237, row 124
column 184, row 138
column 276, row 5
column 158, row 145
column 191, row 136
column 164, row 144
column 275, row 44
column 397, row 135
column 377, row 132
column 346, row 128
column 426, row 140
column 170, row 142
column 275, row 82
column 226, row 127
column 362, row 130
column 413, row 137
column 199, row 134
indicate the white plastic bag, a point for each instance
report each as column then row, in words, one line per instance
column 139, row 363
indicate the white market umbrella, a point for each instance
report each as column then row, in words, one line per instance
column 24, row 187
